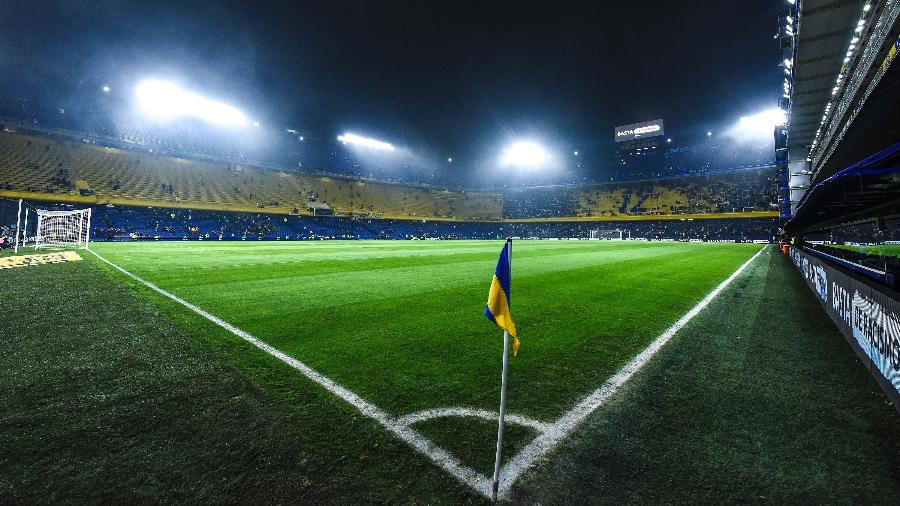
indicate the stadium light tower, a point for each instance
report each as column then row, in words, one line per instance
column 165, row 100
column 358, row 140
column 524, row 155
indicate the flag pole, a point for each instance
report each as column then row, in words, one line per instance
column 496, row 483
column 503, row 382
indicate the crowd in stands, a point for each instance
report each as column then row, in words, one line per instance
column 53, row 166
column 291, row 149
column 739, row 191
column 702, row 158
column 113, row 223
column 91, row 174
column 544, row 202
column 138, row 194
column 7, row 237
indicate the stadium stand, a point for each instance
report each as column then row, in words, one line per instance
column 114, row 223
column 749, row 190
column 738, row 191
column 41, row 166
column 140, row 195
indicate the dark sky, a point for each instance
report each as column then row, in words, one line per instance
column 455, row 77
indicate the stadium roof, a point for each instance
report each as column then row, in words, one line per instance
column 825, row 30
column 844, row 118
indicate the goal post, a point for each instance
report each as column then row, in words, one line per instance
column 607, row 234
column 63, row 229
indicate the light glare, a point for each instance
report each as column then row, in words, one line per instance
column 359, row 140
column 524, row 154
column 764, row 121
column 165, row 100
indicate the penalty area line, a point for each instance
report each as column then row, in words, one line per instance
column 399, row 427
column 565, row 424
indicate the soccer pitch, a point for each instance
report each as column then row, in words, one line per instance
column 399, row 325
column 365, row 372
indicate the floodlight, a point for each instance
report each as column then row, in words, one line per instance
column 359, row 140
column 524, row 154
column 165, row 100
column 449, row 160
column 709, row 134
column 105, row 88
column 764, row 122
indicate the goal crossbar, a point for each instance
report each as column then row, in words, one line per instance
column 607, row 234
column 63, row 229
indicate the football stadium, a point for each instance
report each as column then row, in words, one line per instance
column 434, row 253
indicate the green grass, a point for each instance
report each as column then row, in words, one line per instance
column 760, row 399
column 112, row 396
column 22, row 251
column 400, row 323
column 884, row 250
column 123, row 395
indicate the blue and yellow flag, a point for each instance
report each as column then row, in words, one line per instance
column 497, row 308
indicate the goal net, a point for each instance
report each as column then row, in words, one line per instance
column 63, row 229
column 606, row 234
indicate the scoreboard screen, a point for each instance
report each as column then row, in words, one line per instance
column 639, row 130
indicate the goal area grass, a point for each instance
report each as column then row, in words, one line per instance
column 117, row 393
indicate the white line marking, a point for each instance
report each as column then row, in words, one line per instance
column 428, row 414
column 438, row 455
column 550, row 435
column 561, row 428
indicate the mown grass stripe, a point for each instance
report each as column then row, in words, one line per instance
column 439, row 456
column 401, row 427
column 561, row 428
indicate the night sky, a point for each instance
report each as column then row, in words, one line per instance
column 455, row 78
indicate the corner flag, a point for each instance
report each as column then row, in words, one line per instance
column 497, row 311
column 497, row 307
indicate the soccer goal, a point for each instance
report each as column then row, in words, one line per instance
column 63, row 229
column 606, row 234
